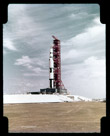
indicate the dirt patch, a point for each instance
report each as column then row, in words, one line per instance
column 55, row 117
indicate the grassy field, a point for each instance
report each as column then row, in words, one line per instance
column 55, row 117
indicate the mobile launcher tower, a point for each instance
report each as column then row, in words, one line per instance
column 55, row 83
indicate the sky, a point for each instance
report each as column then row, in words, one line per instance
column 27, row 38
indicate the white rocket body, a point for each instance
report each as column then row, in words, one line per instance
column 51, row 67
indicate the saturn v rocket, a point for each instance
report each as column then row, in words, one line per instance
column 51, row 68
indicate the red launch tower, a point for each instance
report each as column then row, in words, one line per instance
column 58, row 84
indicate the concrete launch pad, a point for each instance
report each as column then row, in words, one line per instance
column 48, row 90
column 52, row 90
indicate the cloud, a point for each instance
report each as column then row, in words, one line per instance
column 83, row 61
column 29, row 74
column 87, row 78
column 23, row 61
column 90, row 41
column 8, row 44
column 78, row 15
column 24, row 85
column 24, row 31
column 34, row 65
column 91, row 34
column 95, row 66
column 71, row 54
column 26, row 60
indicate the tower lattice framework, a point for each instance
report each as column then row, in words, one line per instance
column 57, row 64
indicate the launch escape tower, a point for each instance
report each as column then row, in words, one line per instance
column 55, row 82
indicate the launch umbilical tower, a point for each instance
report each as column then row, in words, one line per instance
column 57, row 64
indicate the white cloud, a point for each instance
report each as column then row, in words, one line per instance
column 97, row 21
column 84, row 69
column 25, row 26
column 84, row 43
column 23, row 61
column 27, row 61
column 37, row 70
column 33, row 65
column 30, row 74
column 90, row 34
column 78, row 15
column 71, row 54
column 87, row 78
column 8, row 44
column 96, row 67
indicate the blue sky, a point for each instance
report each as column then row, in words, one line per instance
column 27, row 38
